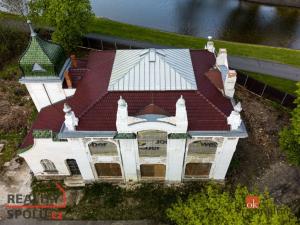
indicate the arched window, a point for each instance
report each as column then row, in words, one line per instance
column 48, row 166
column 103, row 148
column 202, row 147
column 152, row 143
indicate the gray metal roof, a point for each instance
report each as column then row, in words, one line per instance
column 152, row 69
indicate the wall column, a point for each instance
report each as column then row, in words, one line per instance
column 175, row 158
column 223, row 158
column 128, row 148
column 82, row 159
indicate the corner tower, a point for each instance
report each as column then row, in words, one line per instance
column 43, row 65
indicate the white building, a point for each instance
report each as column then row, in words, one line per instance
column 130, row 115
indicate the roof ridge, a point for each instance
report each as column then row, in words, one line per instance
column 92, row 105
column 212, row 104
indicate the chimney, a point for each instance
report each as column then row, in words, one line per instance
column 181, row 115
column 222, row 58
column 229, row 83
column 122, row 116
column 74, row 61
column 68, row 79
column 210, row 45
column 71, row 121
column 234, row 120
column 228, row 76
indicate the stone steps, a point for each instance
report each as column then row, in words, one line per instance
column 74, row 181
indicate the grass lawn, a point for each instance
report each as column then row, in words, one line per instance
column 122, row 30
column 285, row 85
column 132, row 32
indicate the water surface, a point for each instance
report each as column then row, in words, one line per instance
column 231, row 20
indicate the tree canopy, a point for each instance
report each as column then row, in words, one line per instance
column 290, row 136
column 70, row 18
column 216, row 206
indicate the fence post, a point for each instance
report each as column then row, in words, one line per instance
column 283, row 98
column 264, row 90
column 246, row 80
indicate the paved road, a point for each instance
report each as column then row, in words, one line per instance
column 265, row 67
column 239, row 63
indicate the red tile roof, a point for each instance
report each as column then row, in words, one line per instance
column 96, row 108
column 215, row 76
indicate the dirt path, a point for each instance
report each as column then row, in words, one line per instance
column 258, row 161
column 14, row 179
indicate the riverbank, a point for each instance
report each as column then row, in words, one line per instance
column 127, row 31
column 289, row 3
column 108, row 27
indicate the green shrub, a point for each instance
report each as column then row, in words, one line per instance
column 290, row 136
column 216, row 206
column 10, row 72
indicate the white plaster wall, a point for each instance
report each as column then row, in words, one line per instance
column 175, row 159
column 58, row 152
column 223, row 158
column 55, row 92
column 38, row 95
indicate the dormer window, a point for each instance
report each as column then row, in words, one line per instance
column 38, row 68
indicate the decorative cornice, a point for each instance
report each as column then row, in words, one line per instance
column 42, row 133
column 179, row 136
column 125, row 136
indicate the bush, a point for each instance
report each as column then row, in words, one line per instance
column 290, row 136
column 215, row 206
column 12, row 43
column 10, row 72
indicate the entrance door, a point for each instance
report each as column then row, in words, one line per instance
column 73, row 167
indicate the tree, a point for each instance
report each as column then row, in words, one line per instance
column 14, row 6
column 70, row 18
column 290, row 136
column 216, row 206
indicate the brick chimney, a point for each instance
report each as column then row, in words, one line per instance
column 74, row 61
column 68, row 79
column 228, row 76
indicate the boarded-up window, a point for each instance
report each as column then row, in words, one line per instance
column 48, row 166
column 202, row 147
column 197, row 170
column 152, row 143
column 103, row 148
column 108, row 169
column 153, row 170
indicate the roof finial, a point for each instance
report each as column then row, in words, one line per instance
column 32, row 33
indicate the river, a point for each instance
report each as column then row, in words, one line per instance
column 231, row 20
